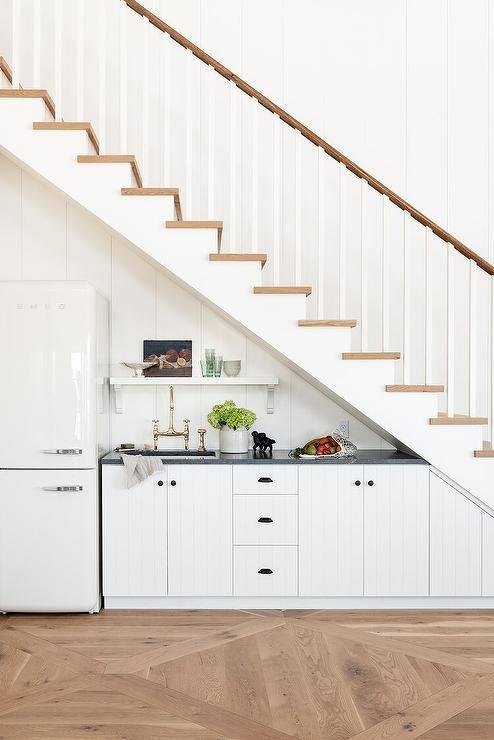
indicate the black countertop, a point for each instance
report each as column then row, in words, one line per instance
column 281, row 457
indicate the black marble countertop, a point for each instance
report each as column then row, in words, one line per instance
column 281, row 457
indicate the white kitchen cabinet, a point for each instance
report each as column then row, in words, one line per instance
column 455, row 542
column 487, row 554
column 265, row 520
column 396, row 530
column 265, row 571
column 262, row 478
column 199, row 530
column 134, row 534
column 331, row 530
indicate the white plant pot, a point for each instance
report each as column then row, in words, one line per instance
column 234, row 440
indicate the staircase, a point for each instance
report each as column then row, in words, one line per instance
column 264, row 289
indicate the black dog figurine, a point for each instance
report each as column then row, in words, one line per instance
column 263, row 443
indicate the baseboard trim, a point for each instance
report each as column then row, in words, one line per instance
column 292, row 602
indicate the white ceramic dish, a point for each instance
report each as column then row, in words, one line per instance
column 138, row 367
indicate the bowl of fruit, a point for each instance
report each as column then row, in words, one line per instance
column 319, row 447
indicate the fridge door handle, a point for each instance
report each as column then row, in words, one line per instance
column 63, row 489
column 64, row 451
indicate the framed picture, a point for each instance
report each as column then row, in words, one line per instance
column 172, row 358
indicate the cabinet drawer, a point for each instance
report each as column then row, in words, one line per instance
column 265, row 479
column 265, row 520
column 265, row 571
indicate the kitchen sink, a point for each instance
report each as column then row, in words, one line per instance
column 171, row 453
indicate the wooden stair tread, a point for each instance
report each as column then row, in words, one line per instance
column 443, row 420
column 328, row 322
column 160, row 192
column 282, row 290
column 194, row 224
column 113, row 159
column 69, row 126
column 239, row 257
column 371, row 355
column 43, row 94
column 415, row 388
column 483, row 453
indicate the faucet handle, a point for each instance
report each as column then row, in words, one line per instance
column 202, row 446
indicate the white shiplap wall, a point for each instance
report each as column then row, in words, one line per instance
column 42, row 236
column 404, row 87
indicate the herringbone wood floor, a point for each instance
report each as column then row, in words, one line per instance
column 248, row 675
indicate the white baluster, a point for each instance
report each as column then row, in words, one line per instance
column 102, row 42
column 385, row 278
column 189, row 119
column 232, row 247
column 406, row 297
column 211, row 102
column 254, row 106
column 123, row 77
column 276, row 198
column 36, row 44
column 472, row 349
column 80, row 61
column 363, row 261
column 321, row 160
column 166, row 92
column 450, row 332
column 428, row 306
column 298, row 207
column 146, row 29
column 342, row 241
column 16, row 42
column 58, row 60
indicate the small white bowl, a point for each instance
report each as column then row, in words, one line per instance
column 232, row 367
column 138, row 367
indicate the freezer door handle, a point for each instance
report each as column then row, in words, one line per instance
column 63, row 489
column 64, row 451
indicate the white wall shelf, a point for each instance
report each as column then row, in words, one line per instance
column 118, row 383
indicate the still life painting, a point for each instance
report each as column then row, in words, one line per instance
column 171, row 357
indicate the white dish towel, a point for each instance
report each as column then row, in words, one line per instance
column 140, row 467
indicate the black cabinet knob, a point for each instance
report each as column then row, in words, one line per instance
column 160, row 482
column 265, row 571
column 265, row 480
column 265, row 520
column 357, row 483
column 173, row 482
column 370, row 483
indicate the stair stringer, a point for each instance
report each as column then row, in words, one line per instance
column 358, row 385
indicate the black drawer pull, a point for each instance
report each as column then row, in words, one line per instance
column 173, row 482
column 357, row 483
column 265, row 571
column 160, row 482
column 265, row 520
column 370, row 483
column 265, row 480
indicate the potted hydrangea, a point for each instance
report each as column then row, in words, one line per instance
column 233, row 423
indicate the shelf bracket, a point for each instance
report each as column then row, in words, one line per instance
column 270, row 399
column 118, row 396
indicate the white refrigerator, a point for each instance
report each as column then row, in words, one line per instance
column 53, row 429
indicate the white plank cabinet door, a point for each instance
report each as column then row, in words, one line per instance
column 396, row 530
column 487, row 554
column 456, row 542
column 331, row 530
column 200, row 530
column 134, row 534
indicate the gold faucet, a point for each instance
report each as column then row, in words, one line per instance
column 170, row 432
